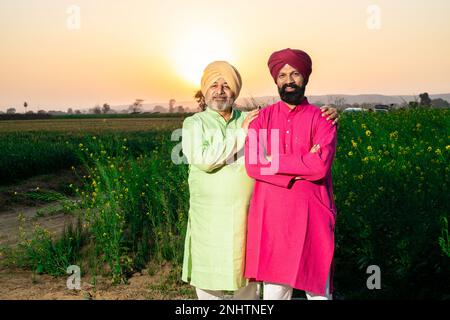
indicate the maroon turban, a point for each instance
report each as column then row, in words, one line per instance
column 297, row 59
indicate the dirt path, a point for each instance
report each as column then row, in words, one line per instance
column 18, row 284
column 9, row 221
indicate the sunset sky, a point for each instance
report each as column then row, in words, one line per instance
column 156, row 50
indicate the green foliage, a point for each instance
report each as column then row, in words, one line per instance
column 135, row 207
column 42, row 253
column 444, row 241
column 389, row 178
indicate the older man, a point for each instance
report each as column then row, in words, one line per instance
column 220, row 189
column 290, row 151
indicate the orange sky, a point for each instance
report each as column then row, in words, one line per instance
column 156, row 50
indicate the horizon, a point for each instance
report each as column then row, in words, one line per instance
column 60, row 54
column 192, row 104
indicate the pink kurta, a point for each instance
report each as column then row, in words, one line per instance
column 290, row 237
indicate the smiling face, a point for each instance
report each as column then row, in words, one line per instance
column 290, row 84
column 288, row 75
column 219, row 96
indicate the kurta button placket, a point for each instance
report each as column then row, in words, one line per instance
column 290, row 236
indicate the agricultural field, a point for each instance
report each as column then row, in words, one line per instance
column 105, row 195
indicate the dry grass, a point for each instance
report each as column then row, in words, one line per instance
column 91, row 125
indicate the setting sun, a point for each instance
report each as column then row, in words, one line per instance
column 196, row 49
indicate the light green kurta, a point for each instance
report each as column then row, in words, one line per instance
column 220, row 192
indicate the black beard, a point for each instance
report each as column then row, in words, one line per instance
column 293, row 98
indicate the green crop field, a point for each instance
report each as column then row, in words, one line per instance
column 390, row 176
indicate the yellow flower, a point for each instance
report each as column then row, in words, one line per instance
column 429, row 149
column 393, row 135
column 354, row 144
column 368, row 133
column 438, row 152
column 350, row 153
column 369, row 148
column 447, row 147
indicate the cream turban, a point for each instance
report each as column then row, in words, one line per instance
column 221, row 69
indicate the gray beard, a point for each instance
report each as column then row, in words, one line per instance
column 220, row 106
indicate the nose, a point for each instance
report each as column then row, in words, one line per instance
column 220, row 89
column 290, row 79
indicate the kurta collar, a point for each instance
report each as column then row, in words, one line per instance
column 285, row 108
column 217, row 116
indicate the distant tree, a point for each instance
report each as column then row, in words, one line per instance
column 200, row 99
column 159, row 109
column 77, row 111
column 172, row 105
column 96, row 110
column 339, row 101
column 30, row 112
column 180, row 109
column 69, row 111
column 425, row 99
column 42, row 112
column 106, row 108
column 136, row 107
column 11, row 111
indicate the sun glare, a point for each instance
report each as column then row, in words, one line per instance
column 196, row 50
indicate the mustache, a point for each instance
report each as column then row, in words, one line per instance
column 290, row 85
